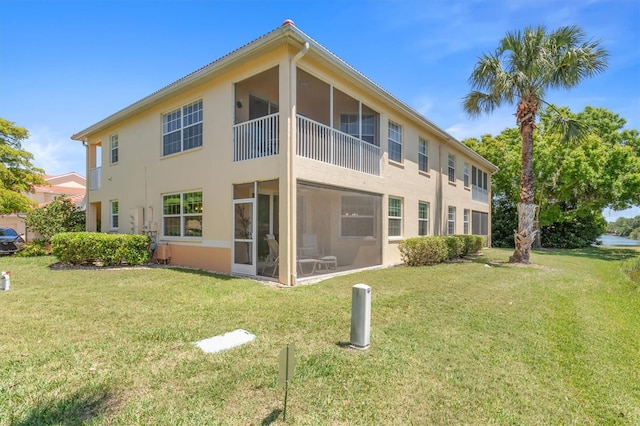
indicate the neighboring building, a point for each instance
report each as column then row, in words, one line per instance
column 281, row 138
column 71, row 185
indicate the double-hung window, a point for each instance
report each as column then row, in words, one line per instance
column 423, row 155
column 466, row 174
column 182, row 129
column 467, row 213
column 451, row 221
column 423, row 218
column 114, row 214
column 452, row 168
column 395, row 142
column 182, row 214
column 395, row 217
column 114, row 149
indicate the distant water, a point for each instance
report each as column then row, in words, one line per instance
column 613, row 240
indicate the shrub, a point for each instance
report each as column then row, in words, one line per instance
column 456, row 246
column 576, row 233
column 437, row 249
column 60, row 215
column 80, row 248
column 33, row 249
column 423, row 250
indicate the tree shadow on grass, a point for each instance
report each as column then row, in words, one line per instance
column 272, row 417
column 203, row 273
column 76, row 409
column 600, row 253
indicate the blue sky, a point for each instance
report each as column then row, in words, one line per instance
column 66, row 64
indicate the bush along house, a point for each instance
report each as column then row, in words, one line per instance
column 282, row 161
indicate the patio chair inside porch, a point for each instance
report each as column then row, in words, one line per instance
column 311, row 250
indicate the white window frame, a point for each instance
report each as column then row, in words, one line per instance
column 114, row 210
column 423, row 155
column 395, row 140
column 451, row 171
column 186, row 213
column 466, row 174
column 351, row 213
column 465, row 218
column 423, row 219
column 451, row 220
column 395, row 218
column 113, row 142
column 365, row 126
column 173, row 122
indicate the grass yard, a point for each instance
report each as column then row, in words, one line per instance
column 459, row 343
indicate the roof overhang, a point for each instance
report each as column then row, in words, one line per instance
column 286, row 34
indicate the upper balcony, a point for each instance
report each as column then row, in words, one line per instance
column 332, row 127
column 323, row 143
column 480, row 195
column 95, row 178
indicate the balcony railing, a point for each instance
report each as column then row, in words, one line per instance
column 323, row 143
column 95, row 178
column 256, row 138
column 479, row 194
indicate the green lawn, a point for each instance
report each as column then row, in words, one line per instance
column 460, row 343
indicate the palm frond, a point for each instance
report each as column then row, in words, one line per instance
column 477, row 103
column 570, row 129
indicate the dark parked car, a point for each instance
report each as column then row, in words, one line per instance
column 10, row 241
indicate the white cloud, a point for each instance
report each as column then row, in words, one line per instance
column 54, row 153
column 476, row 127
column 423, row 105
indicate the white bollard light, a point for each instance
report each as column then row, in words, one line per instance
column 5, row 280
column 360, row 316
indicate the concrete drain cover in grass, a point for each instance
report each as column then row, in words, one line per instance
column 225, row 341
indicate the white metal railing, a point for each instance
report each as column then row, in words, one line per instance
column 95, row 178
column 479, row 194
column 323, row 143
column 256, row 138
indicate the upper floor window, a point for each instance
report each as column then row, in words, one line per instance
column 423, row 218
column 182, row 129
column 395, row 142
column 395, row 217
column 182, row 214
column 349, row 124
column 423, row 155
column 452, row 168
column 114, row 214
column 114, row 149
column 466, row 174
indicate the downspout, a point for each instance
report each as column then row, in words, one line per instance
column 439, row 197
column 292, row 152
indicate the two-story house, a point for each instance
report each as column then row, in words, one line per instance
column 279, row 159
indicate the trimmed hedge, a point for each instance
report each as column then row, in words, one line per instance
column 79, row 248
column 431, row 250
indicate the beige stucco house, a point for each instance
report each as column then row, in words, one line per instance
column 281, row 160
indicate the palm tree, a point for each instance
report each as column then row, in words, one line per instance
column 523, row 67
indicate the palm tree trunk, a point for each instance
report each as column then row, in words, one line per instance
column 526, row 235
